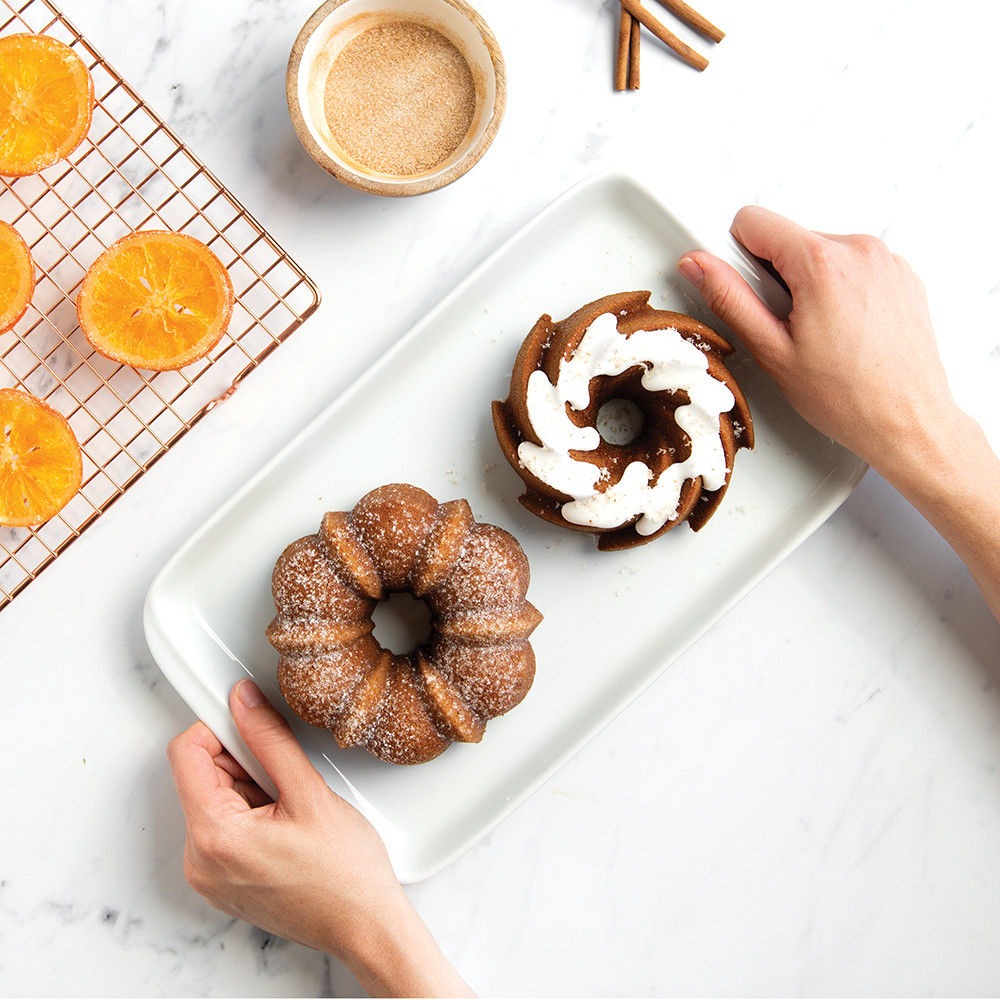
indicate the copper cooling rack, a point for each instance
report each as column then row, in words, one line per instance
column 131, row 173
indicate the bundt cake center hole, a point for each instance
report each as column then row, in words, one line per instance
column 620, row 421
column 402, row 623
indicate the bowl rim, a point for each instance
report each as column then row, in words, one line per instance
column 420, row 183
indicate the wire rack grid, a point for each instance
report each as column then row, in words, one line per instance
column 130, row 173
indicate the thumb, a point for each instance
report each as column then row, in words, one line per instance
column 728, row 295
column 269, row 738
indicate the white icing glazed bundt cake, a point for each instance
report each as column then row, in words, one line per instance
column 671, row 368
column 477, row 663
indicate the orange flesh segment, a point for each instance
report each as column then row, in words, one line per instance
column 41, row 465
column 17, row 276
column 46, row 102
column 155, row 300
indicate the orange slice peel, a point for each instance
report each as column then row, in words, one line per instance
column 156, row 300
column 41, row 465
column 17, row 276
column 46, row 102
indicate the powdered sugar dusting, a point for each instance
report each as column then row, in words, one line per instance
column 479, row 640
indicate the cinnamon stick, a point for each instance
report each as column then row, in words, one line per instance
column 692, row 58
column 695, row 20
column 635, row 35
column 624, row 42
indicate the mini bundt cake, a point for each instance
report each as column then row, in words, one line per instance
column 477, row 662
column 671, row 368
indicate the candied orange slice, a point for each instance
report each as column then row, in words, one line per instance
column 155, row 300
column 41, row 465
column 17, row 276
column 46, row 102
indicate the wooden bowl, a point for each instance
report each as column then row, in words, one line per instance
column 338, row 24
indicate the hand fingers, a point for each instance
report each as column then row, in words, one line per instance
column 269, row 738
column 771, row 236
column 192, row 762
column 240, row 781
column 252, row 793
column 736, row 304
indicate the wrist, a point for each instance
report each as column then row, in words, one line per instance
column 951, row 474
column 935, row 455
column 396, row 955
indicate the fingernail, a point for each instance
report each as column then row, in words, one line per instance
column 691, row 270
column 251, row 695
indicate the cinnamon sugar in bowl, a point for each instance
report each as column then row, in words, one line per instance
column 396, row 97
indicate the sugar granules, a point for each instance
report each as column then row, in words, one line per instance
column 399, row 98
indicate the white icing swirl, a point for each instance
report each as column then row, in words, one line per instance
column 671, row 363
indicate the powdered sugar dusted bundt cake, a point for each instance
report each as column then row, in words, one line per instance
column 692, row 419
column 477, row 663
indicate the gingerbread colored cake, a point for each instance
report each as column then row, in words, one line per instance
column 692, row 418
column 477, row 663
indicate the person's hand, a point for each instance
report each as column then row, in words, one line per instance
column 308, row 867
column 857, row 356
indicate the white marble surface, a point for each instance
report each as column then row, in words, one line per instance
column 808, row 801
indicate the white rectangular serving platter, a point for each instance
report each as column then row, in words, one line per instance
column 422, row 415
